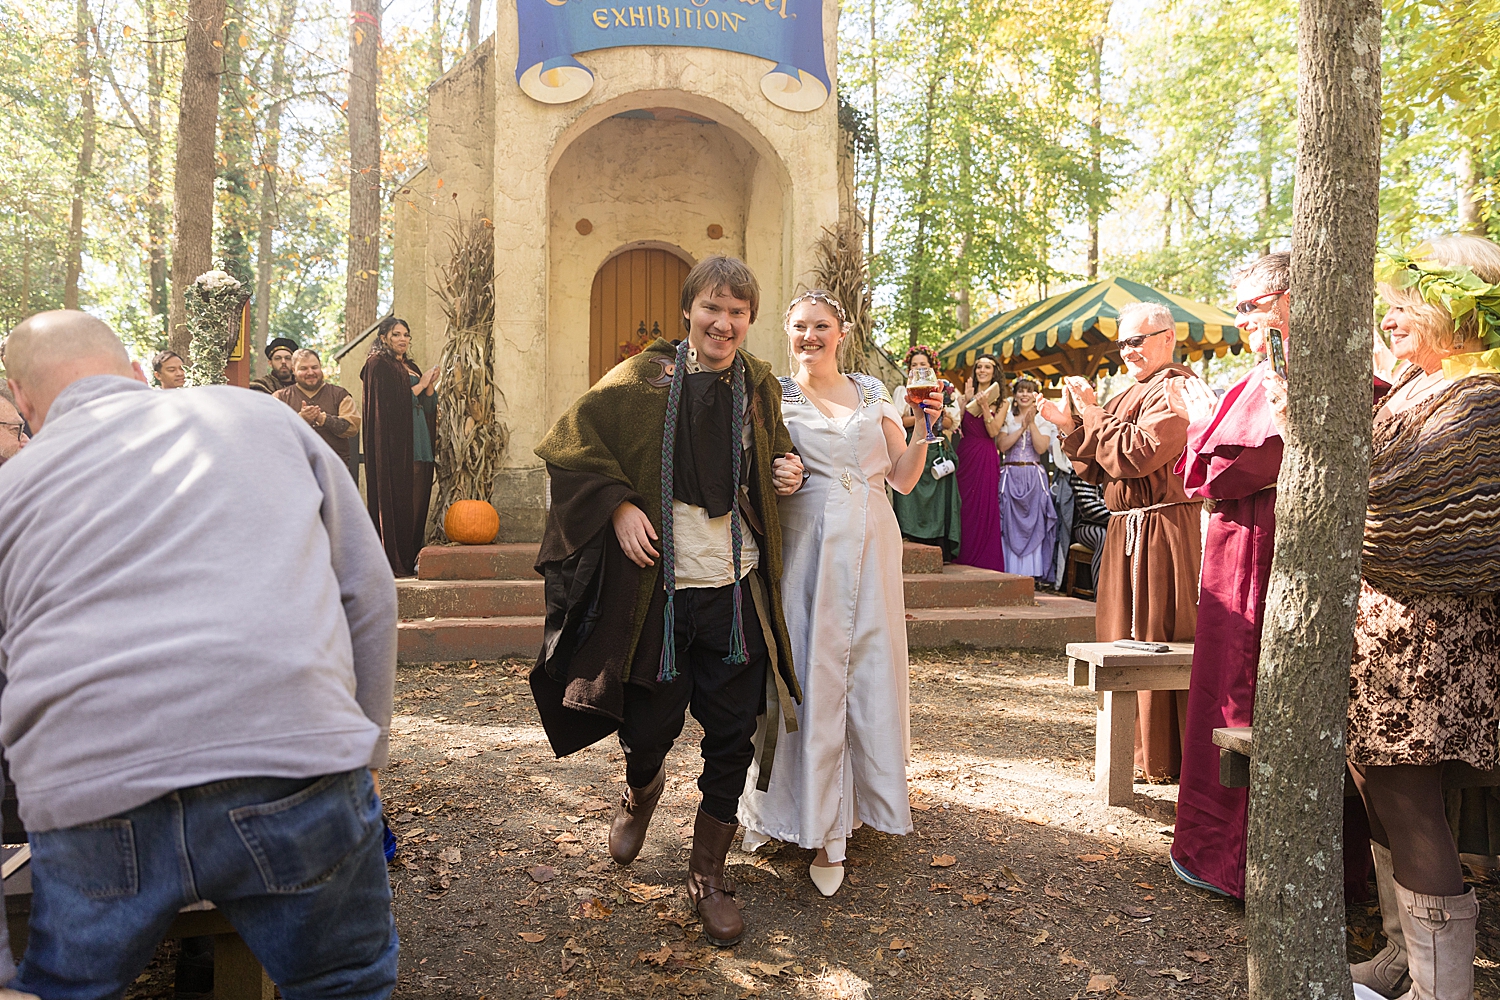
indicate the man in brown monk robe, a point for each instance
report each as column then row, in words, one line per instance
column 327, row 408
column 1148, row 576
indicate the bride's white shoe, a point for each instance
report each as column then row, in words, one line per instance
column 826, row 879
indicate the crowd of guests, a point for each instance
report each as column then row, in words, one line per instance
column 998, row 492
column 398, row 415
column 718, row 540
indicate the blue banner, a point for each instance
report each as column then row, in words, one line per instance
column 787, row 32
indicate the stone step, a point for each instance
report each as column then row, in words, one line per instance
column 449, row 639
column 506, row 561
column 418, row 599
column 954, row 587
column 1050, row 624
column 917, row 558
column 514, row 561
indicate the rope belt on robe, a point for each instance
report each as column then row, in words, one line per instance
column 1022, row 463
column 1135, row 521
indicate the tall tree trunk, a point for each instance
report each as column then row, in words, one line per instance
column 1294, row 898
column 1266, row 192
column 269, row 166
column 84, row 78
column 435, row 44
column 1166, row 228
column 156, row 209
column 476, row 8
column 236, row 128
column 1470, row 219
column 918, row 262
column 874, row 134
column 966, row 193
column 1096, row 146
column 361, row 295
column 193, row 176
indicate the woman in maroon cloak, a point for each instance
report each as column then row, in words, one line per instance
column 979, row 541
column 400, row 428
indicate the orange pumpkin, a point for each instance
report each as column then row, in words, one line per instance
column 471, row 522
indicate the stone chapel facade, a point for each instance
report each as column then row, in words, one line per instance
column 601, row 203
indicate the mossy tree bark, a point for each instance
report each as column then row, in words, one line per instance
column 195, row 168
column 1294, row 883
column 362, row 286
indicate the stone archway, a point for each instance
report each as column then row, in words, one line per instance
column 635, row 299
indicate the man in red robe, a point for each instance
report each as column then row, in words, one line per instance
column 1148, row 575
column 1232, row 459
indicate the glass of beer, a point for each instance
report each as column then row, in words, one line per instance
column 921, row 384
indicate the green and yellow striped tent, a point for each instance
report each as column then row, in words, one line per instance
column 1074, row 333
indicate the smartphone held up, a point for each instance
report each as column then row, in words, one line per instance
column 1277, row 348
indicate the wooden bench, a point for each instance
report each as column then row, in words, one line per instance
column 1235, row 744
column 1115, row 674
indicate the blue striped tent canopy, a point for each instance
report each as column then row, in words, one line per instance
column 1073, row 333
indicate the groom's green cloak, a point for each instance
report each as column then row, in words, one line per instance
column 604, row 451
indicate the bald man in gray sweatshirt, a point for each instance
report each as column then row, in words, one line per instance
column 163, row 752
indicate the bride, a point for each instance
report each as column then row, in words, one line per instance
column 845, row 765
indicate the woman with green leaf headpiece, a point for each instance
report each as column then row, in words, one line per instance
column 1425, row 681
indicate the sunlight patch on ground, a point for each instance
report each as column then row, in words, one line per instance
column 834, row 983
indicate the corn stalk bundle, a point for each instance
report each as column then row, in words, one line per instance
column 471, row 438
column 841, row 269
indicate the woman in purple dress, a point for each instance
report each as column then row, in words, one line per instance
column 1026, row 513
column 978, row 470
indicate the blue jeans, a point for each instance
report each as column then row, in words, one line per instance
column 295, row 864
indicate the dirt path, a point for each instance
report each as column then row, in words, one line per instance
column 1014, row 884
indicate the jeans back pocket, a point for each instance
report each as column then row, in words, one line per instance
column 298, row 841
column 96, row 860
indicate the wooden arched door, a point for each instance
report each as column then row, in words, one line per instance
column 636, row 298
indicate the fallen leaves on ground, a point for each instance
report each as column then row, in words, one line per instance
column 596, row 909
column 1174, row 973
column 769, row 968
column 1199, row 956
column 1091, row 857
column 943, row 861
column 658, row 958
column 643, row 893
column 1101, row 984
column 531, row 937
column 542, row 873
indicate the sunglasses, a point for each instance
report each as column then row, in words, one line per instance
column 1136, row 342
column 1259, row 302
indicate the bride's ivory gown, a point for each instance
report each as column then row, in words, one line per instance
column 842, row 590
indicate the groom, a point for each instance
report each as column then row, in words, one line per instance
column 662, row 559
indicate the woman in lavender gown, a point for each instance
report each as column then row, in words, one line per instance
column 1028, row 519
column 978, row 471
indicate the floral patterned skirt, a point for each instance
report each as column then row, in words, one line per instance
column 1425, row 683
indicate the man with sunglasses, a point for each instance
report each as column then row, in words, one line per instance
column 1148, row 574
column 13, row 436
column 1233, row 458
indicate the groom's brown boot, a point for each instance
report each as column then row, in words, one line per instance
column 707, row 887
column 627, row 831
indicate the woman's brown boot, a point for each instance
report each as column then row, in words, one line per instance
column 627, row 831
column 707, row 887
